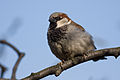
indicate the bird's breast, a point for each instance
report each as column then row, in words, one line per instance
column 57, row 34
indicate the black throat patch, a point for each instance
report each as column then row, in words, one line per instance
column 52, row 25
column 55, row 34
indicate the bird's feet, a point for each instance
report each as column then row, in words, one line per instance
column 61, row 63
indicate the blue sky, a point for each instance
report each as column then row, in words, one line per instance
column 24, row 23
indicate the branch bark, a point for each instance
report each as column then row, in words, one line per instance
column 20, row 56
column 3, row 69
column 59, row 68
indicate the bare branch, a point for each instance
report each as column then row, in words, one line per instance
column 20, row 54
column 3, row 69
column 16, row 66
column 4, row 79
column 58, row 69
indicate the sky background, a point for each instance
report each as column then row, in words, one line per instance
column 24, row 23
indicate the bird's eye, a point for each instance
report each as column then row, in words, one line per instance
column 58, row 18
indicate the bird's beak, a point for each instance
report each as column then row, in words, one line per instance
column 52, row 20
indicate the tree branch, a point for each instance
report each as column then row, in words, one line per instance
column 59, row 68
column 20, row 55
column 3, row 69
column 4, row 79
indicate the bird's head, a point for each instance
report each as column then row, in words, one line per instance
column 59, row 19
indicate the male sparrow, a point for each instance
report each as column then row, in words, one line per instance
column 66, row 38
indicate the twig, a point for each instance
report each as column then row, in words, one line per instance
column 4, row 79
column 16, row 66
column 3, row 69
column 20, row 54
column 58, row 69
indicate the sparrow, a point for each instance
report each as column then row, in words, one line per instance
column 66, row 38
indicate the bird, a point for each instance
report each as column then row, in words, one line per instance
column 66, row 38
